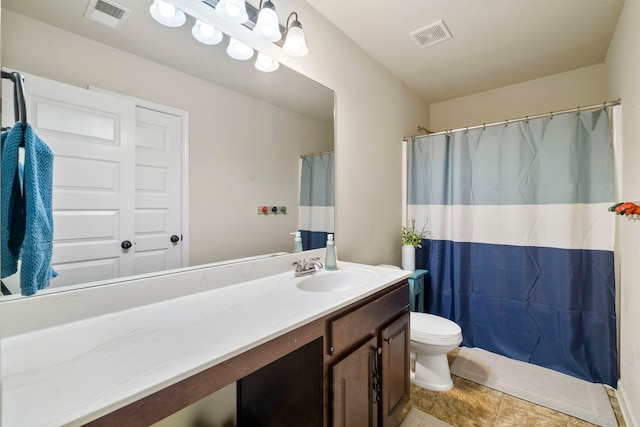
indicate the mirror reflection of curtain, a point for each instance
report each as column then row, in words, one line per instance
column 316, row 200
column 521, row 249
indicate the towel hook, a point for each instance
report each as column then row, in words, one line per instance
column 19, row 104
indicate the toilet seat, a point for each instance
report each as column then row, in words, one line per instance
column 428, row 328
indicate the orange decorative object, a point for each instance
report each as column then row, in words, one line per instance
column 628, row 208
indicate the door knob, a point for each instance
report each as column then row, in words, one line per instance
column 125, row 244
column 175, row 239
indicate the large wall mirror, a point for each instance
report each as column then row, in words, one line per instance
column 243, row 133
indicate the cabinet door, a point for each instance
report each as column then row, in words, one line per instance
column 354, row 402
column 395, row 368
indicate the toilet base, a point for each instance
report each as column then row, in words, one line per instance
column 431, row 372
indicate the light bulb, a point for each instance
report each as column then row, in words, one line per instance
column 206, row 33
column 206, row 30
column 167, row 14
column 266, row 63
column 295, row 43
column 267, row 26
column 239, row 50
column 234, row 11
column 166, row 9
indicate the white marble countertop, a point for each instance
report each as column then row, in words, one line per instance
column 75, row 372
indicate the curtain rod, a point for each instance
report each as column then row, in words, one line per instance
column 537, row 116
column 304, row 156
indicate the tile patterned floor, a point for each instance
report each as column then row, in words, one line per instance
column 471, row 404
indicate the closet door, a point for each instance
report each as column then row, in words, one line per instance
column 158, row 191
column 92, row 137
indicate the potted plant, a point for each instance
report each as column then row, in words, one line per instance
column 411, row 239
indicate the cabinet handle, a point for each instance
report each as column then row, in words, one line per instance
column 388, row 340
column 376, row 375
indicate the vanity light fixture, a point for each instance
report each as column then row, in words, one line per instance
column 239, row 50
column 167, row 14
column 263, row 24
column 206, row 33
column 267, row 26
column 294, row 42
column 234, row 11
column 266, row 63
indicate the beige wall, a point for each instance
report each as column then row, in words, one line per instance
column 243, row 152
column 623, row 81
column 581, row 87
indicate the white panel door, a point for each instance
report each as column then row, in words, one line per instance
column 158, row 191
column 92, row 137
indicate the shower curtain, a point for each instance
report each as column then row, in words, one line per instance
column 521, row 244
column 316, row 200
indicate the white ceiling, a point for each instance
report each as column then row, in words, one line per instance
column 494, row 42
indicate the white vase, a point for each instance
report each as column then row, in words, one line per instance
column 408, row 257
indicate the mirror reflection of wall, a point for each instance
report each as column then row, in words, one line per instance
column 243, row 151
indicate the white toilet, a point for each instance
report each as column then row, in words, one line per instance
column 432, row 337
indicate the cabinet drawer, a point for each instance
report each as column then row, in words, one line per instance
column 348, row 329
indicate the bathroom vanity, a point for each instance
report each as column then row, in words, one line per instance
column 297, row 352
column 355, row 373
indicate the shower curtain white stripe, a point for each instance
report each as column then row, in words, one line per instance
column 566, row 226
column 316, row 218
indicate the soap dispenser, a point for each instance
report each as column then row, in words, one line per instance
column 297, row 242
column 330, row 262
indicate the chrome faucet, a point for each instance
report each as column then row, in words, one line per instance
column 305, row 268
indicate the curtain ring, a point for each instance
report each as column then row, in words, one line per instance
column 484, row 126
column 526, row 119
column 467, row 129
column 506, row 123
column 551, row 115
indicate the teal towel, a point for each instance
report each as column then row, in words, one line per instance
column 12, row 203
column 34, row 197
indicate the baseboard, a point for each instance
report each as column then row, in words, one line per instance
column 627, row 411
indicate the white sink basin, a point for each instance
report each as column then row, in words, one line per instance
column 340, row 280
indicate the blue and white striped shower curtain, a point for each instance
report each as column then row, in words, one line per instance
column 316, row 200
column 521, row 243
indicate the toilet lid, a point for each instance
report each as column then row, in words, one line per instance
column 431, row 326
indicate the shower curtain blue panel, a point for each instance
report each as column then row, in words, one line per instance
column 521, row 243
column 316, row 200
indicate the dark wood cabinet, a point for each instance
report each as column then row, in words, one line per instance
column 366, row 371
column 394, row 368
column 370, row 376
column 353, row 385
column 285, row 393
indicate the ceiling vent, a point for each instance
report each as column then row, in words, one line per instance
column 107, row 13
column 431, row 34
